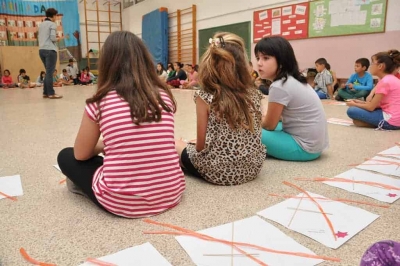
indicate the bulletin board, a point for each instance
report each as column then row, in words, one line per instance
column 346, row 17
column 290, row 22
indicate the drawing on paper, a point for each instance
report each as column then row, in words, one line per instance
column 300, row 10
column 376, row 9
column 287, row 11
column 391, row 152
column 375, row 22
column 383, row 165
column 276, row 13
column 329, row 222
column 263, row 15
column 319, row 24
column 10, row 187
column 338, row 121
column 142, row 255
column 247, row 242
column 376, row 186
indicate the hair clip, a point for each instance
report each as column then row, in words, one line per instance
column 217, row 42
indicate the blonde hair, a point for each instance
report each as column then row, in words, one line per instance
column 224, row 73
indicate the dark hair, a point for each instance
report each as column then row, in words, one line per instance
column 364, row 62
column 179, row 64
column 391, row 59
column 22, row 71
column 321, row 61
column 87, row 68
column 328, row 66
column 64, row 70
column 162, row 68
column 224, row 73
column 41, row 73
column 51, row 12
column 71, row 60
column 281, row 49
column 7, row 71
column 125, row 55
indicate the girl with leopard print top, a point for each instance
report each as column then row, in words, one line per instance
column 228, row 150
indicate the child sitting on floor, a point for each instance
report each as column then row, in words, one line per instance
column 323, row 80
column 359, row 84
column 381, row 110
column 66, row 80
column 57, row 82
column 24, row 80
column 228, row 150
column 193, row 80
column 303, row 134
column 85, row 77
column 179, row 75
column 134, row 111
column 40, row 79
column 7, row 81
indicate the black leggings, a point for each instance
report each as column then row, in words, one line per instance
column 80, row 172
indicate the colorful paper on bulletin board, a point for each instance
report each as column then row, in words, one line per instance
column 19, row 22
column 343, row 17
column 290, row 22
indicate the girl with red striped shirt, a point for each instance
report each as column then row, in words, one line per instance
column 139, row 175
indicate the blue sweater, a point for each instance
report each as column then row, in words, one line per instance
column 365, row 83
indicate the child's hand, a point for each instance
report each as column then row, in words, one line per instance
column 350, row 85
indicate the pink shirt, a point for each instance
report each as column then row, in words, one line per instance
column 6, row 80
column 389, row 86
column 193, row 78
column 141, row 175
column 85, row 77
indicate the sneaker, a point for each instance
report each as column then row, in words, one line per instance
column 54, row 96
column 73, row 188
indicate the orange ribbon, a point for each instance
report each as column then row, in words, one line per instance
column 33, row 261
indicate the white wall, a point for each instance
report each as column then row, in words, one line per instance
column 213, row 13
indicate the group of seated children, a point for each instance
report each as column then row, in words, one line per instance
column 232, row 135
column 178, row 75
column 23, row 80
column 69, row 76
column 369, row 107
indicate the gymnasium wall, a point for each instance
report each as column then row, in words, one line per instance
column 341, row 51
column 12, row 56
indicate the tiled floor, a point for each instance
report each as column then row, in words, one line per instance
column 56, row 226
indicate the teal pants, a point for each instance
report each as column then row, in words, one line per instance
column 282, row 145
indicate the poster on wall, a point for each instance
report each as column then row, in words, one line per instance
column 289, row 21
column 19, row 22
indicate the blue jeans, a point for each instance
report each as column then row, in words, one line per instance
column 374, row 118
column 282, row 145
column 322, row 95
column 49, row 59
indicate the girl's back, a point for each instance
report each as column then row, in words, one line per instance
column 231, row 157
column 141, row 175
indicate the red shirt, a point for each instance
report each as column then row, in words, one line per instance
column 6, row 80
column 141, row 175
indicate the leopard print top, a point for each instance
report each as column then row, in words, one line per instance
column 229, row 157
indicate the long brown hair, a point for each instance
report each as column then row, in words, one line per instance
column 126, row 66
column 224, row 73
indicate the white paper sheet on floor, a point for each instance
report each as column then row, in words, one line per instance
column 142, row 255
column 11, row 186
column 252, row 230
column 346, row 220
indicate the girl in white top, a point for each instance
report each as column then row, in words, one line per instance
column 302, row 135
column 40, row 79
column 162, row 74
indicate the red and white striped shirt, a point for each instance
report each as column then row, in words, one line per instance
column 141, row 175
